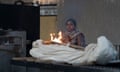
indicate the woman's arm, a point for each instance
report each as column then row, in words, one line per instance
column 76, row 47
column 65, row 39
column 81, row 40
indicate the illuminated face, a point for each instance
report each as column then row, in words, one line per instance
column 70, row 26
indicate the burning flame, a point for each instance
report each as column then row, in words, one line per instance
column 56, row 39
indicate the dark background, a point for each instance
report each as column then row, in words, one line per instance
column 20, row 17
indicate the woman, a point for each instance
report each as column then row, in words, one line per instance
column 73, row 35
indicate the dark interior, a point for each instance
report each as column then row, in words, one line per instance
column 21, row 17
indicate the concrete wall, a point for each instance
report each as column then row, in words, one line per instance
column 94, row 17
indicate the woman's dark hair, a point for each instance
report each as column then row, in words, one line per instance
column 71, row 20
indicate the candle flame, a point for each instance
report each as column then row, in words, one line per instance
column 57, row 38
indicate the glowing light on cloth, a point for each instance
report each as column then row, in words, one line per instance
column 102, row 52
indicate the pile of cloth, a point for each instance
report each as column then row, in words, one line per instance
column 101, row 52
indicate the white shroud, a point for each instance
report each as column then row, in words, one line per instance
column 101, row 53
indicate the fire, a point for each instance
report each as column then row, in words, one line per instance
column 57, row 38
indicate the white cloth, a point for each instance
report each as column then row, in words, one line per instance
column 101, row 53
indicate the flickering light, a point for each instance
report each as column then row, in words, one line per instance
column 58, row 38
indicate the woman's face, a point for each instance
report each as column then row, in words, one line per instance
column 70, row 26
